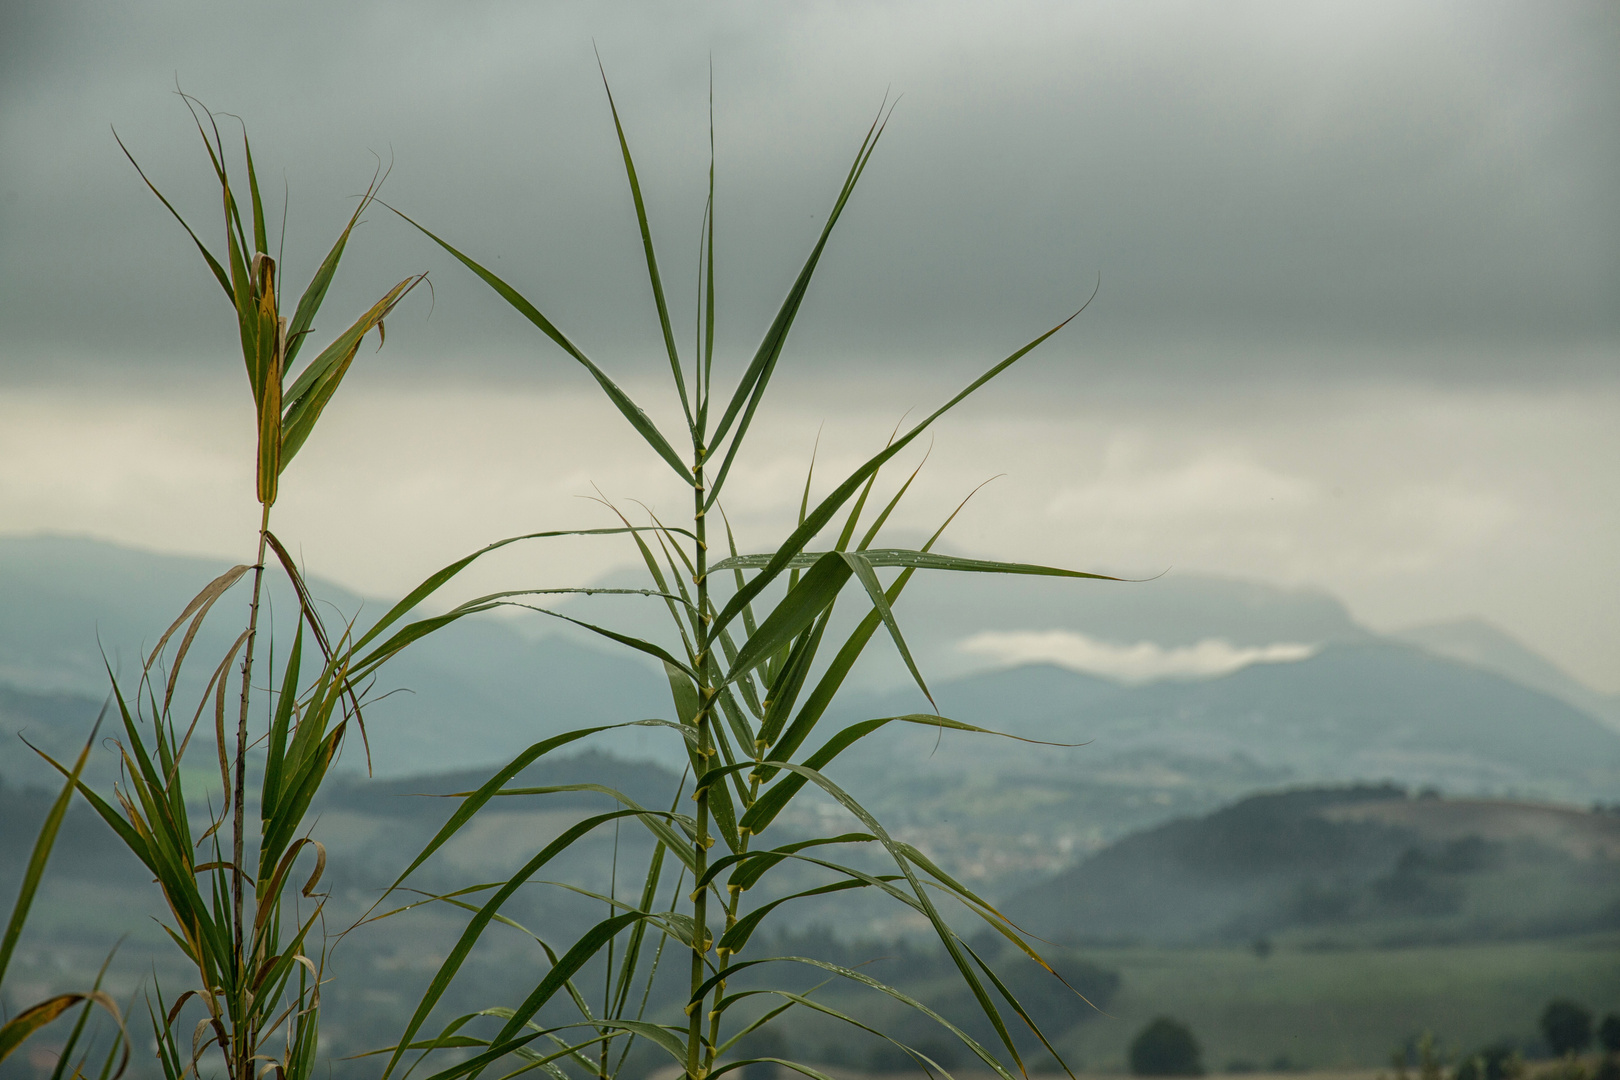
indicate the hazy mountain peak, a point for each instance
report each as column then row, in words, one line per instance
column 64, row 600
column 1475, row 641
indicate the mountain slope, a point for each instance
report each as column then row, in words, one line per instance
column 1382, row 706
column 1361, row 707
column 1354, row 865
column 476, row 692
column 1371, row 709
column 1477, row 642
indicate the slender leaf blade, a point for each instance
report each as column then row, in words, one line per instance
column 652, row 258
column 622, row 401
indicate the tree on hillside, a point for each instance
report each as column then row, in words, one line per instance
column 1566, row 1026
column 1499, row 1061
column 1609, row 1033
column 1166, row 1048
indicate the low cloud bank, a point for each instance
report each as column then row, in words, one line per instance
column 1142, row 662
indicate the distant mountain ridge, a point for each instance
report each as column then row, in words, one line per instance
column 467, row 698
column 1370, row 709
column 1361, row 707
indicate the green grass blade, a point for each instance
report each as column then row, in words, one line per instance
column 833, row 677
column 684, row 692
column 208, row 256
column 629, row 409
column 41, row 853
column 516, row 1044
column 700, row 392
column 652, row 258
column 493, row 786
column 319, row 381
column 585, row 947
column 753, row 1026
column 827, row 686
column 745, row 682
column 946, row 936
column 774, row 799
column 749, row 625
column 335, row 357
column 260, row 241
column 551, row 954
column 132, row 839
column 637, row 644
column 855, row 511
column 474, row 1065
column 474, row 930
column 721, row 808
column 280, row 726
column 438, row 579
column 734, row 716
column 927, row 560
column 688, row 626
column 1017, row 1007
column 654, row 820
column 708, row 280
column 883, row 515
column 866, row 980
column 745, row 400
column 758, row 374
column 915, row 560
column 802, row 604
column 216, row 156
column 315, row 292
column 734, row 939
column 301, row 787
column 658, row 954
column 632, row 952
column 924, row 1061
column 751, row 865
column 792, row 1066
column 823, row 513
column 657, row 574
column 868, row 578
column 247, row 313
column 784, row 693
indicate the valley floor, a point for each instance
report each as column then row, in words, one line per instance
column 1325, row 1010
column 1535, row 1071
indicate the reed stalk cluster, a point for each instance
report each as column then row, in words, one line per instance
column 752, row 665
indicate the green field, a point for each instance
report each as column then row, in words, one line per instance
column 1343, row 1009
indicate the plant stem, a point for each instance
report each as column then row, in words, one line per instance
column 240, row 1066
column 733, row 898
column 696, row 1060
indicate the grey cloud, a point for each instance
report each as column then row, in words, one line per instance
column 1336, row 190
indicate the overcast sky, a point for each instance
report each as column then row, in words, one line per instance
column 1359, row 324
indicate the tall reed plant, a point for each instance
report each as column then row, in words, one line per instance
column 241, row 910
column 752, row 674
